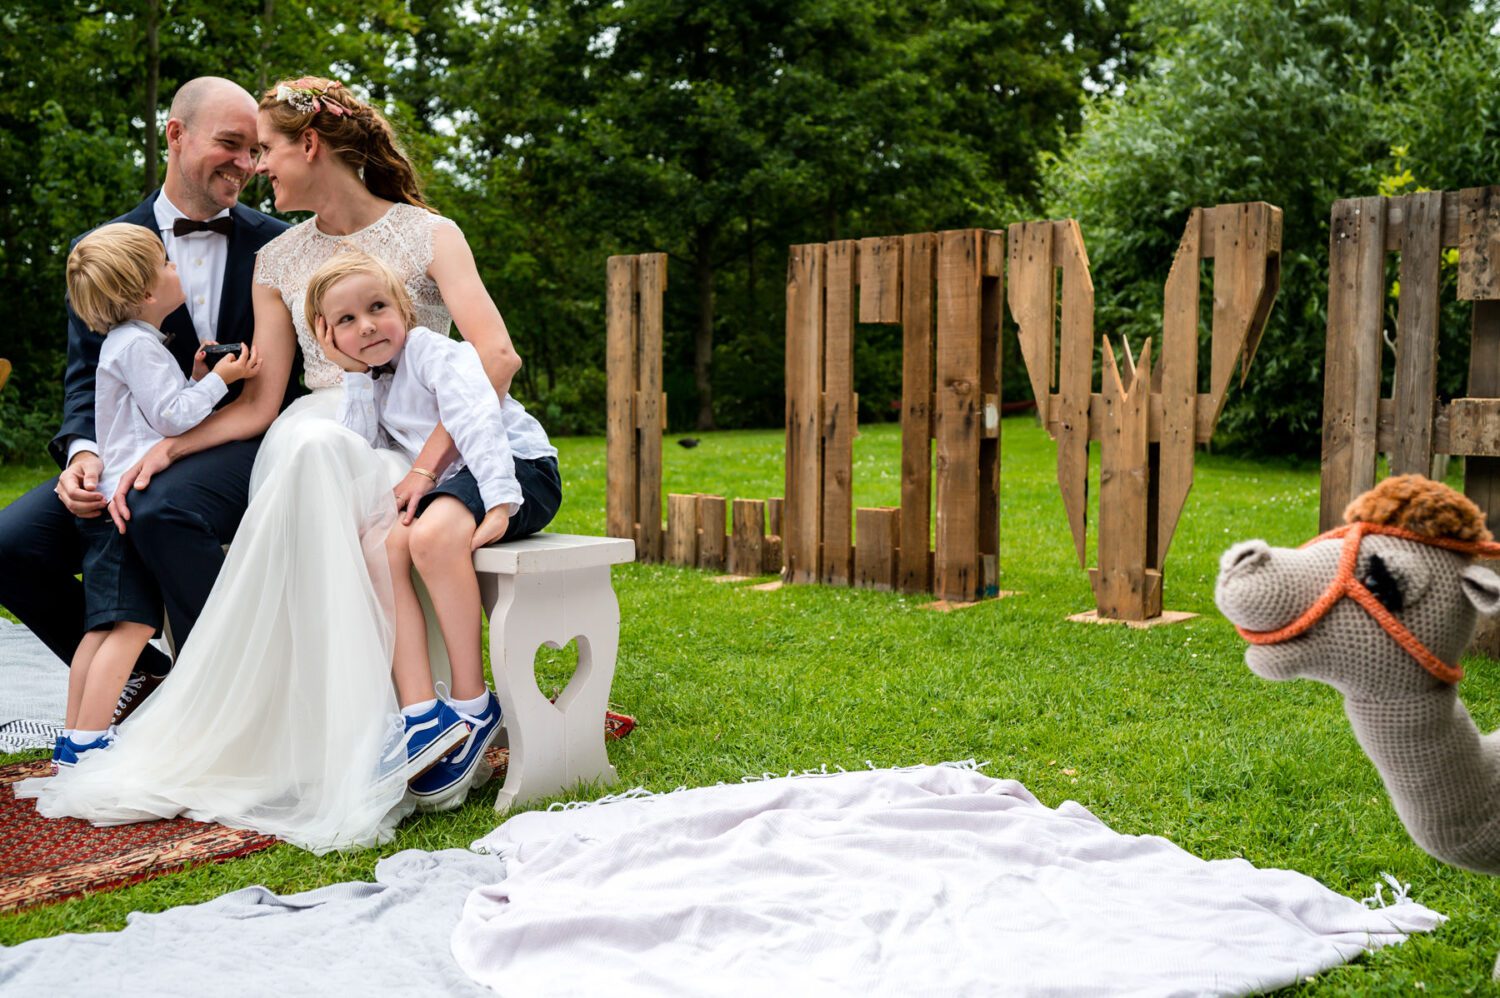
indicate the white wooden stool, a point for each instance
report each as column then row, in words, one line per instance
column 549, row 589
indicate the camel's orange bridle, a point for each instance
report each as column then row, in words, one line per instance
column 1345, row 584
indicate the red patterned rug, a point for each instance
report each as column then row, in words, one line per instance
column 44, row 860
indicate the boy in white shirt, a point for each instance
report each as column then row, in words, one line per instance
column 119, row 280
column 400, row 381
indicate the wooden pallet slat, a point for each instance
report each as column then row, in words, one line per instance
column 992, row 317
column 651, row 282
column 1351, row 373
column 878, row 531
column 1415, row 390
column 880, row 279
column 1482, row 474
column 1075, row 373
column 839, row 414
column 748, row 537
column 959, row 419
column 1177, row 372
column 1479, row 282
column 1479, row 244
column 621, row 493
column 1241, row 296
column 1120, row 584
column 917, row 270
column 1031, row 295
column 682, row 530
column 804, row 382
column 711, row 539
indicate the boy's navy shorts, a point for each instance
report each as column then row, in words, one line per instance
column 541, row 490
column 116, row 585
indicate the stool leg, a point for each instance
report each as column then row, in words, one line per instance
column 552, row 747
column 594, row 615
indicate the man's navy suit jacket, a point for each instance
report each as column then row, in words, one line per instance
column 236, row 324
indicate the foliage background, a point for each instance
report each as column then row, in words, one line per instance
column 557, row 133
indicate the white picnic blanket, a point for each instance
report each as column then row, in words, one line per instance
column 33, row 690
column 928, row 881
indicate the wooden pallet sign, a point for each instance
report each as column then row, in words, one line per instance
column 1413, row 425
column 1149, row 416
column 636, row 407
column 945, row 290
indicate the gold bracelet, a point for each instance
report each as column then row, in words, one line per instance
column 424, row 473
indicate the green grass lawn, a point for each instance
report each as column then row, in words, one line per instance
column 1160, row 732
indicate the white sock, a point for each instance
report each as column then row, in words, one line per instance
column 84, row 737
column 473, row 707
column 417, row 709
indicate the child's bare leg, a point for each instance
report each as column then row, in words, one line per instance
column 78, row 674
column 440, row 549
column 410, row 668
column 107, row 673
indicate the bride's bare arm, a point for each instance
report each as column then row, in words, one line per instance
column 472, row 308
column 247, row 416
column 454, row 272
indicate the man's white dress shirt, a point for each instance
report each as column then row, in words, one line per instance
column 141, row 396
column 200, row 258
column 438, row 379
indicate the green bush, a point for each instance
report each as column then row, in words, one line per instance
column 29, row 414
column 572, row 404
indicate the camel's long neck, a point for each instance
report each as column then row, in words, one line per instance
column 1442, row 775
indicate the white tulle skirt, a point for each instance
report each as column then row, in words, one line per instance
column 280, row 713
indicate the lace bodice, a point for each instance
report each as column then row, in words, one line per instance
column 402, row 237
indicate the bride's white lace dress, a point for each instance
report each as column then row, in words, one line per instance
column 278, row 715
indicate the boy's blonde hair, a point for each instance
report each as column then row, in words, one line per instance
column 345, row 264
column 111, row 272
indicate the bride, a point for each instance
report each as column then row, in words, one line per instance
column 278, row 715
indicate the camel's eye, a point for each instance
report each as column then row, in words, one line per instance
column 1383, row 585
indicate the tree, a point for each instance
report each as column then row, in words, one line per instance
column 83, row 93
column 714, row 130
column 1239, row 101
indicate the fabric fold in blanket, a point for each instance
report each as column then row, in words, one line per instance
column 928, row 881
column 384, row 938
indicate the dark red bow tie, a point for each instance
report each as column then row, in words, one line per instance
column 187, row 226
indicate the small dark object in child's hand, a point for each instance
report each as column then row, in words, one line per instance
column 218, row 351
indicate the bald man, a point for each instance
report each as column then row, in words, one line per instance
column 193, row 508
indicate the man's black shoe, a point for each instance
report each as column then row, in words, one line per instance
column 138, row 687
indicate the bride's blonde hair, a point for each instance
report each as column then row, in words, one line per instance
column 356, row 133
column 347, row 263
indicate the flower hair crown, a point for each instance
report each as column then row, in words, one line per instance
column 309, row 96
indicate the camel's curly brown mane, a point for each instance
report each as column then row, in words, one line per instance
column 1422, row 506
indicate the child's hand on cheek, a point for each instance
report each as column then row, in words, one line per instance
column 492, row 527
column 333, row 353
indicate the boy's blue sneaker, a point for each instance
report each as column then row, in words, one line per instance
column 445, row 785
column 68, row 752
column 57, row 748
column 429, row 736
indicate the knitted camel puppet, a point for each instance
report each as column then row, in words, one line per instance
column 1405, row 560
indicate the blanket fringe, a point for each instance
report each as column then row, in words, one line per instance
column 641, row 793
column 1400, row 893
